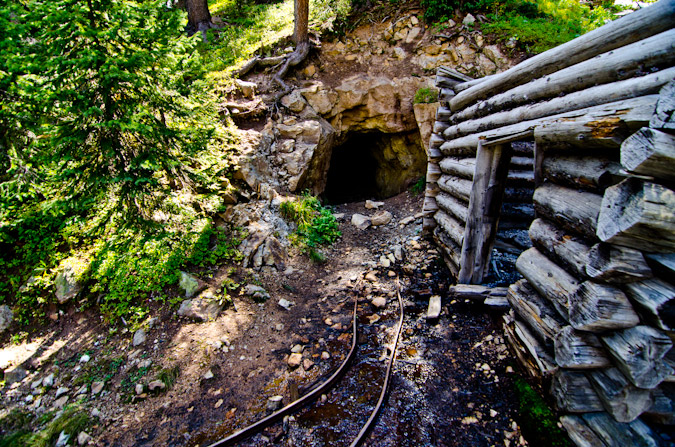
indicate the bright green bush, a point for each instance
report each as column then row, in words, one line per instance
column 316, row 225
column 426, row 95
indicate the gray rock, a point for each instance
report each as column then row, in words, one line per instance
column 35, row 384
column 145, row 363
column 247, row 88
column 256, row 292
column 48, row 381
column 82, row 390
column 385, row 262
column 469, row 20
column 200, row 309
column 6, row 317
column 208, row 375
column 294, row 360
column 189, row 284
column 407, row 220
column 62, row 441
column 85, row 358
column 139, row 389
column 285, row 303
column 381, row 218
column 83, row 438
column 372, row 205
column 398, row 252
column 156, row 385
column 294, row 101
column 61, row 401
column 15, row 375
column 275, row 403
column 61, row 391
column 379, row 302
column 70, row 277
column 140, row 337
column 297, row 348
column 97, row 387
column 434, row 310
column 360, row 221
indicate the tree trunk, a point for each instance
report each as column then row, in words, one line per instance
column 301, row 32
column 199, row 17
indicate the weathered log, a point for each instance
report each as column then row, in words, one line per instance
column 452, row 206
column 605, row 78
column 475, row 291
column 573, row 393
column 663, row 264
column 650, row 152
column 535, row 311
column 601, row 123
column 443, row 114
column 520, row 177
column 451, row 226
column 550, row 280
column 449, row 249
column 664, row 115
column 589, row 173
column 517, row 211
column 468, row 84
column 655, row 299
column 621, row 434
column 579, row 350
column 459, row 188
column 624, row 401
column 518, row 195
column 540, row 355
column 663, row 409
column 445, row 95
column 430, row 205
column 434, row 154
column 639, row 353
column 569, row 251
column 616, row 265
column 632, row 28
column 575, row 211
column 428, row 225
column 522, row 162
column 433, row 172
column 449, row 77
column 487, row 192
column 435, row 141
column 580, row 433
column 431, row 189
column 517, row 346
column 598, row 307
column 461, row 167
column 638, row 215
column 439, row 127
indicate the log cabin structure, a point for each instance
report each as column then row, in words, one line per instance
column 567, row 161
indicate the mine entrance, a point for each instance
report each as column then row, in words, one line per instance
column 374, row 165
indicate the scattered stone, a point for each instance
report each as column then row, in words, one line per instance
column 70, row 278
column 85, row 358
column 61, row 391
column 145, row 363
column 35, row 384
column 62, row 441
column 95, row 413
column 451, row 23
column 373, row 318
column 360, row 221
column 82, row 390
column 15, row 375
column 307, row 364
column 382, row 217
column 285, row 303
column 219, row 403
column 203, row 309
column 297, row 348
column 97, row 387
column 208, row 375
column 469, row 19
column 294, row 359
column 385, row 262
column 61, row 401
column 372, row 205
column 370, row 276
column 509, row 369
column 274, row 403
column 398, row 252
column 407, row 220
column 279, row 327
column 391, row 273
column 310, row 70
column 247, row 88
column 325, row 355
column 493, row 413
column 47, row 382
column 6, row 317
column 189, row 284
column 339, row 216
column 83, row 438
column 379, row 302
column 29, row 398
column 139, row 389
column 156, row 385
column 256, row 292
column 434, row 310
column 139, row 337
column 479, row 40
column 511, row 43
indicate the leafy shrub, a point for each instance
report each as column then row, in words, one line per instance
column 316, row 224
column 426, row 95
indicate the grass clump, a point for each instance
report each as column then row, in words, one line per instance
column 426, row 95
column 72, row 421
column 538, row 421
column 316, row 225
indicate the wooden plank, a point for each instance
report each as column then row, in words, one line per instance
column 638, row 215
column 588, row 173
column 550, row 280
column 650, row 152
column 572, row 392
column 638, row 352
column 598, row 124
column 485, row 203
column 621, row 434
column 579, row 350
column 624, row 401
column 655, row 300
column 624, row 31
column 599, row 307
column 457, row 187
column 452, row 206
column 616, row 265
column 580, row 433
column 664, row 115
column 605, row 78
column 569, row 251
column 575, row 211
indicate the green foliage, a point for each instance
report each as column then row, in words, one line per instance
column 316, row 225
column 169, row 376
column 426, row 95
column 537, row 420
column 418, row 187
column 72, row 421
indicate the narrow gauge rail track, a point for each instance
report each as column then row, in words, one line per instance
column 315, row 392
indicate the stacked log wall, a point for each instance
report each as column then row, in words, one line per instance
column 594, row 315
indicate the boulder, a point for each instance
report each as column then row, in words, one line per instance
column 190, row 284
column 425, row 115
column 256, row 292
column 203, row 308
column 72, row 272
column 360, row 221
column 382, row 217
column 6, row 317
column 247, row 88
column 294, row 101
column 14, row 375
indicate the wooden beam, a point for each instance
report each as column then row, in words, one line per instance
column 616, row 265
column 453, row 228
column 457, row 187
column 663, row 409
column 579, row 350
column 589, row 173
column 602, row 123
column 664, row 115
column 655, row 299
column 572, row 392
column 599, row 307
column 620, row 434
column 492, row 167
column 650, row 152
column 626, row 30
column 638, row 352
column 623, row 400
column 569, row 251
column 461, row 167
column 535, row 311
column 452, row 206
column 638, row 215
column 580, row 433
column 575, row 211
column 550, row 280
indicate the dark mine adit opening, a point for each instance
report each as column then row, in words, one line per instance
column 374, row 165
